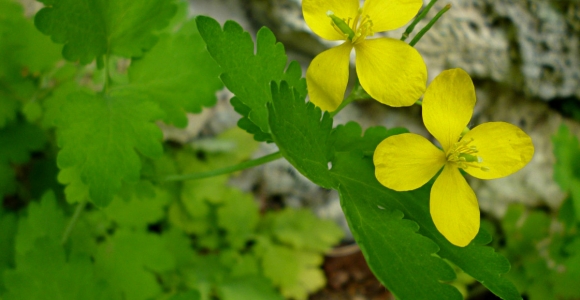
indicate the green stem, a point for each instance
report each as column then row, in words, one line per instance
column 73, row 221
column 357, row 93
column 422, row 15
column 429, row 25
column 241, row 166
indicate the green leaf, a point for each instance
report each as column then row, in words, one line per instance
column 247, row 72
column 247, row 288
column 44, row 220
column 94, row 28
column 567, row 152
column 139, row 210
column 189, row 295
column 178, row 73
column 565, row 283
column 298, row 130
column 238, row 216
column 8, row 109
column 18, row 140
column 302, row 230
column 129, row 260
column 22, row 47
column 388, row 241
column 8, row 227
column 296, row 273
column 99, row 136
column 45, row 273
column 375, row 213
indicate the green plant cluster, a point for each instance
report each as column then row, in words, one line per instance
column 93, row 130
column 88, row 123
column 165, row 242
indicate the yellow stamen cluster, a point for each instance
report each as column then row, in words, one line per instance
column 356, row 30
column 464, row 155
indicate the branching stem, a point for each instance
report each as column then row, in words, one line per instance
column 73, row 221
column 422, row 15
column 429, row 25
column 241, row 166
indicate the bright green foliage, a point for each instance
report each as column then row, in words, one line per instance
column 44, row 220
column 294, row 228
column 190, row 295
column 96, row 28
column 177, row 73
column 567, row 167
column 201, row 199
column 17, row 141
column 239, row 217
column 40, row 259
column 99, row 135
column 139, row 210
column 25, row 52
column 44, row 272
column 295, row 272
column 546, row 262
column 375, row 214
column 229, row 276
column 233, row 49
column 23, row 49
column 128, row 259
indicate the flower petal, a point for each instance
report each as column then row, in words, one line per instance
column 503, row 147
column 406, row 161
column 448, row 105
column 454, row 207
column 389, row 15
column 327, row 77
column 315, row 15
column 391, row 71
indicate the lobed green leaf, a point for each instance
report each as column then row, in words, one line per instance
column 248, row 71
column 100, row 135
column 178, row 73
column 95, row 28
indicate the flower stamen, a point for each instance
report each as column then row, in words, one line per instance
column 355, row 31
column 465, row 156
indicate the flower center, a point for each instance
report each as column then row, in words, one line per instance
column 465, row 156
column 356, row 30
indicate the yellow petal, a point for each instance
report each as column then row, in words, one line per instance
column 448, row 105
column 406, row 161
column 391, row 71
column 327, row 77
column 392, row 14
column 454, row 207
column 315, row 15
column 503, row 147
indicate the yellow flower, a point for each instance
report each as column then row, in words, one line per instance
column 488, row 151
column 390, row 70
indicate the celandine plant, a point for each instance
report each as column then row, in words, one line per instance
column 491, row 150
column 108, row 148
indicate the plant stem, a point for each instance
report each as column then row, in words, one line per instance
column 241, row 166
column 429, row 25
column 73, row 221
column 356, row 93
column 422, row 15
